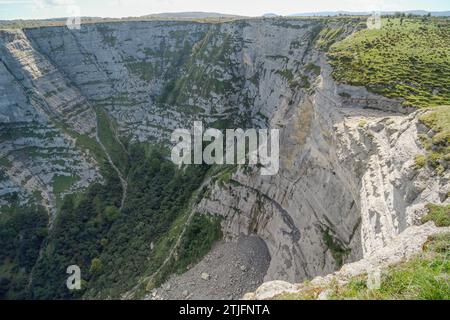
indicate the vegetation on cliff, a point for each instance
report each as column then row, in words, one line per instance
column 22, row 230
column 114, row 248
column 440, row 214
column 437, row 141
column 408, row 58
column 425, row 277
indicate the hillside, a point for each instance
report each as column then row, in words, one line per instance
column 406, row 58
column 167, row 16
column 368, row 13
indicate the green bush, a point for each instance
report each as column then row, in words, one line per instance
column 438, row 145
column 419, row 161
column 439, row 214
column 198, row 239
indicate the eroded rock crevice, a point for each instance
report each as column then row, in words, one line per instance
column 347, row 182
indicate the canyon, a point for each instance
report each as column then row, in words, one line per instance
column 74, row 102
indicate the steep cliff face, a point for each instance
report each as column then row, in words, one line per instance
column 157, row 76
column 347, row 184
column 43, row 161
column 150, row 77
column 75, row 100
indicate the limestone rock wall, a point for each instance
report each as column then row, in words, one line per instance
column 346, row 186
column 157, row 76
column 38, row 156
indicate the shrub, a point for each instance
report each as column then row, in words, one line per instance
column 440, row 214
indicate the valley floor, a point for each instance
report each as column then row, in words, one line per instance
column 227, row 272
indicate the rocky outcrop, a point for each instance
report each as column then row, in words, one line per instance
column 407, row 244
column 42, row 161
column 270, row 290
column 346, row 188
column 152, row 77
column 227, row 272
column 156, row 76
column 46, row 88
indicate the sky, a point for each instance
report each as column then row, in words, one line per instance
column 40, row 9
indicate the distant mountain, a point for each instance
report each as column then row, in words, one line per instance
column 29, row 23
column 366, row 13
column 270, row 15
column 441, row 13
column 190, row 15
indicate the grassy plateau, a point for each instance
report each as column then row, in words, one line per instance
column 407, row 58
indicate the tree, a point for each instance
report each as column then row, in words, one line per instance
column 96, row 266
column 111, row 213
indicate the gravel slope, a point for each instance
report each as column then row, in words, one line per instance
column 228, row 271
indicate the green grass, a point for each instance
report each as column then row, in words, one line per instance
column 287, row 74
column 193, row 64
column 438, row 145
column 406, row 58
column 83, row 141
column 5, row 163
column 420, row 161
column 106, row 128
column 90, row 144
column 422, row 278
column 336, row 247
column 439, row 214
column 63, row 183
column 439, row 121
column 142, row 69
column 311, row 67
column 425, row 277
column 198, row 239
column 327, row 36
